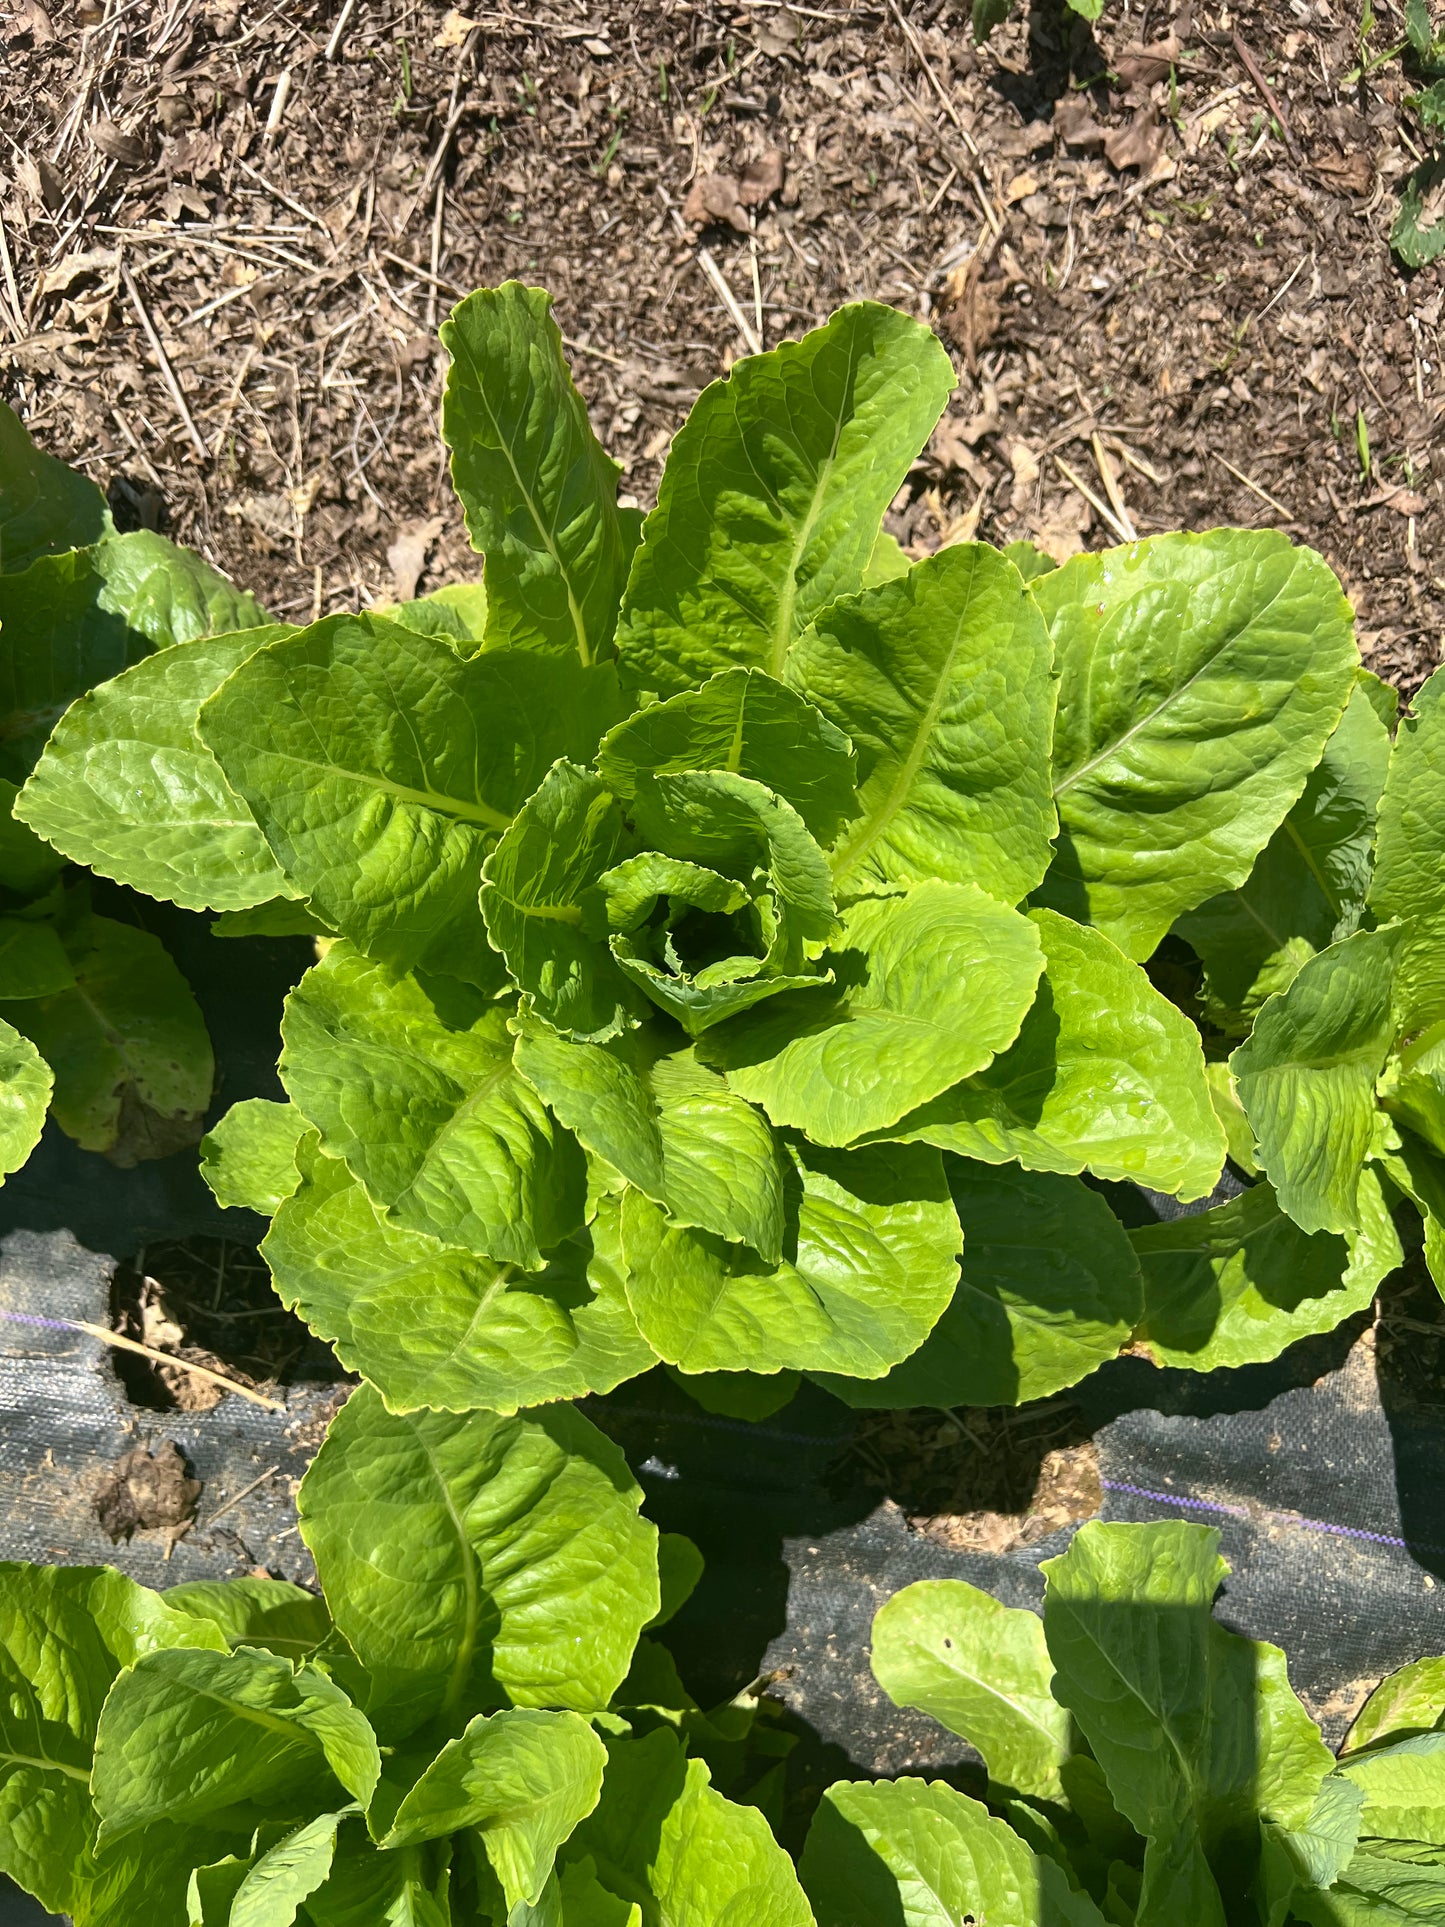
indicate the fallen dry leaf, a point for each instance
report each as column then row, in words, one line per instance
column 761, row 179
column 196, row 155
column 1352, row 173
column 1146, row 66
column 1024, row 464
column 1137, row 145
column 76, row 267
column 971, row 312
column 185, row 200
column 1403, row 501
column 43, row 182
column 1020, row 188
column 116, row 145
column 407, row 555
column 1075, row 126
column 1061, row 527
column 454, row 29
column 30, row 17
column 715, row 197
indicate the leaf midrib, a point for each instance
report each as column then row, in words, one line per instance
column 1013, row 1706
column 46, row 1765
column 471, row 1604
column 579, row 627
column 788, row 600
column 1142, row 723
column 852, row 852
column 403, row 792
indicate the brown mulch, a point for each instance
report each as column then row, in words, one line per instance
column 146, row 1490
column 980, row 1479
column 1164, row 274
column 208, row 1302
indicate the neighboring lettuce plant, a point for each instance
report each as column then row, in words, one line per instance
column 469, row 1726
column 727, row 923
column 1144, row 1765
column 465, row 1727
column 96, row 1022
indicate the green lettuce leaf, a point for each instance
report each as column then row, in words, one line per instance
column 522, row 1779
column 133, row 1064
column 1309, row 882
column 1404, row 1788
column 33, row 962
column 540, row 494
column 1049, row 1290
column 367, row 1888
column 26, row 1082
column 930, row 986
column 944, row 682
column 45, row 504
column 1375, row 1890
column 545, row 911
column 732, row 910
column 1236, row 1284
column 1106, row 1075
column 249, row 1158
column 250, row 1611
column 1200, row 678
column 870, row 1260
column 669, row 1125
column 1306, row 1077
column 382, row 767
column 1415, row 238
column 772, row 495
column 1197, row 1730
column 888, row 561
column 457, row 611
column 70, row 621
column 1409, row 1701
column 1419, row 1173
column 662, row 1836
column 28, row 867
column 286, row 1875
column 187, row 1735
column 751, row 725
column 126, row 786
column 1296, row 1864
column 410, row 1082
column 982, row 1670
column 65, row 1633
column 144, row 1877
column 1412, row 1088
column 744, row 1395
column 1409, row 880
column 472, row 1559
column 212, row 1888
column 918, row 1854
column 432, row 1324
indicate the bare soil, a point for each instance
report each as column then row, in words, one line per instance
column 207, row 1302
column 981, row 1479
column 231, row 228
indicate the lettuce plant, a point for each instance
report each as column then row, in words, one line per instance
column 725, row 922
column 96, row 1022
column 469, row 1697
column 1144, row 1765
column 470, row 1725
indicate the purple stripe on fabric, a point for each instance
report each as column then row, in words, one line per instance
column 34, row 1318
column 1269, row 1518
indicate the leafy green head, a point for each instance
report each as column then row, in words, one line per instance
column 736, row 929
